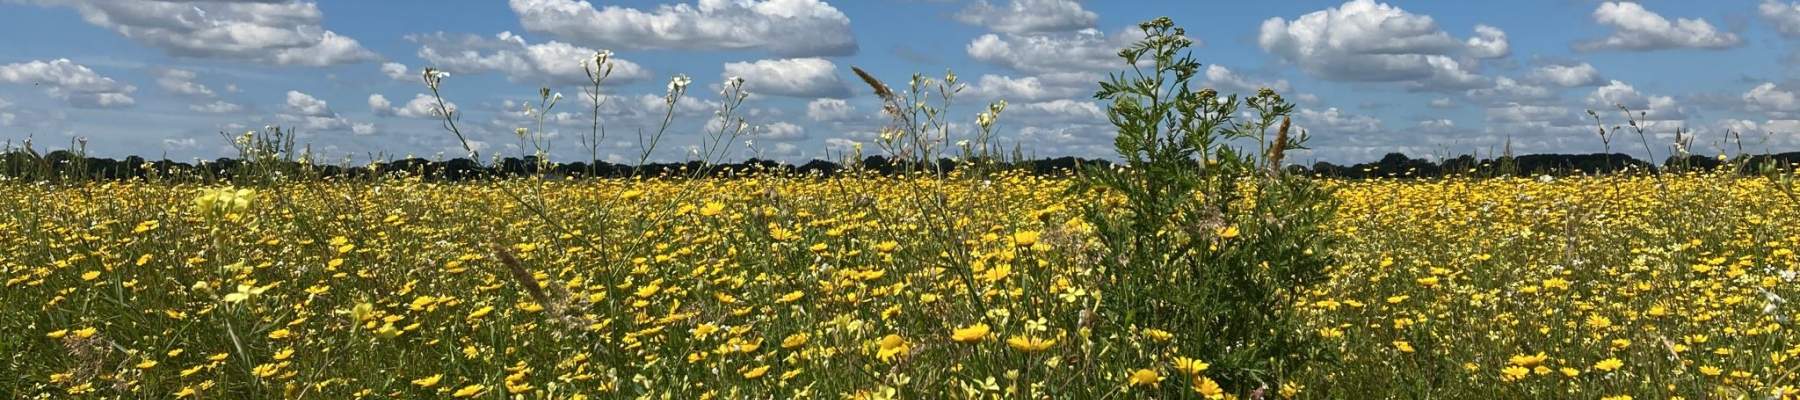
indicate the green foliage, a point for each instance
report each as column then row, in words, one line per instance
column 1206, row 239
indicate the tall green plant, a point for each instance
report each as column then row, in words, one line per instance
column 1206, row 238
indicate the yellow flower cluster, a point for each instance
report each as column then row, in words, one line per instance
column 871, row 287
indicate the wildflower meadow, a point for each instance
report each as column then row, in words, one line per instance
column 1195, row 264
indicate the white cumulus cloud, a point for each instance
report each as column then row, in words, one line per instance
column 1784, row 15
column 797, row 77
column 507, row 53
column 793, row 28
column 1638, row 29
column 1029, row 16
column 1574, row 75
column 272, row 32
column 75, row 83
column 1362, row 40
column 824, row 110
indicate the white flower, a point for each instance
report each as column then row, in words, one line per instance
column 557, row 97
column 677, row 85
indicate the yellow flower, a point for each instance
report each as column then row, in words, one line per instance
column 971, row 334
column 892, row 346
column 480, row 312
column 1609, row 364
column 266, row 370
column 147, row 364
column 1709, row 370
column 428, row 381
column 279, row 334
column 712, row 209
column 1227, row 232
column 1190, row 366
column 1158, row 335
column 468, row 391
column 791, row 297
column 1598, row 322
column 1145, row 377
column 1289, row 390
column 702, row 331
column 1025, row 238
column 90, row 275
column 223, row 200
column 362, row 312
column 1403, row 346
column 1513, row 373
column 757, row 372
column 85, row 333
column 1030, row 344
column 793, row 341
column 1208, row 389
column 1528, row 361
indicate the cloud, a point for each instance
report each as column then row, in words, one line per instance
column 181, row 82
column 1639, row 29
column 79, row 85
column 1785, row 16
column 1224, row 79
column 1508, row 90
column 1029, row 16
column 1770, row 99
column 1085, row 50
column 791, row 28
column 1036, row 88
column 305, row 104
column 271, row 32
column 1489, row 42
column 364, row 129
column 1365, row 41
column 1333, row 120
column 795, row 77
column 824, row 110
column 1582, row 74
column 1655, row 108
column 421, row 106
column 552, row 62
column 217, row 107
column 396, row 71
column 312, row 114
column 1437, row 125
column 781, row 131
column 380, row 105
column 1056, row 110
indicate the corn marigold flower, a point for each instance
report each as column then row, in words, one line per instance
column 970, row 334
column 1030, row 344
column 1145, row 377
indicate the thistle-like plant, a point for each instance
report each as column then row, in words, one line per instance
column 1206, row 239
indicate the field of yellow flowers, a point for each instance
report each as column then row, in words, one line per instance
column 866, row 287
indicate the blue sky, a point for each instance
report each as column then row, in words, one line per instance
column 163, row 78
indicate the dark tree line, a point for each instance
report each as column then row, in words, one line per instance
column 68, row 165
